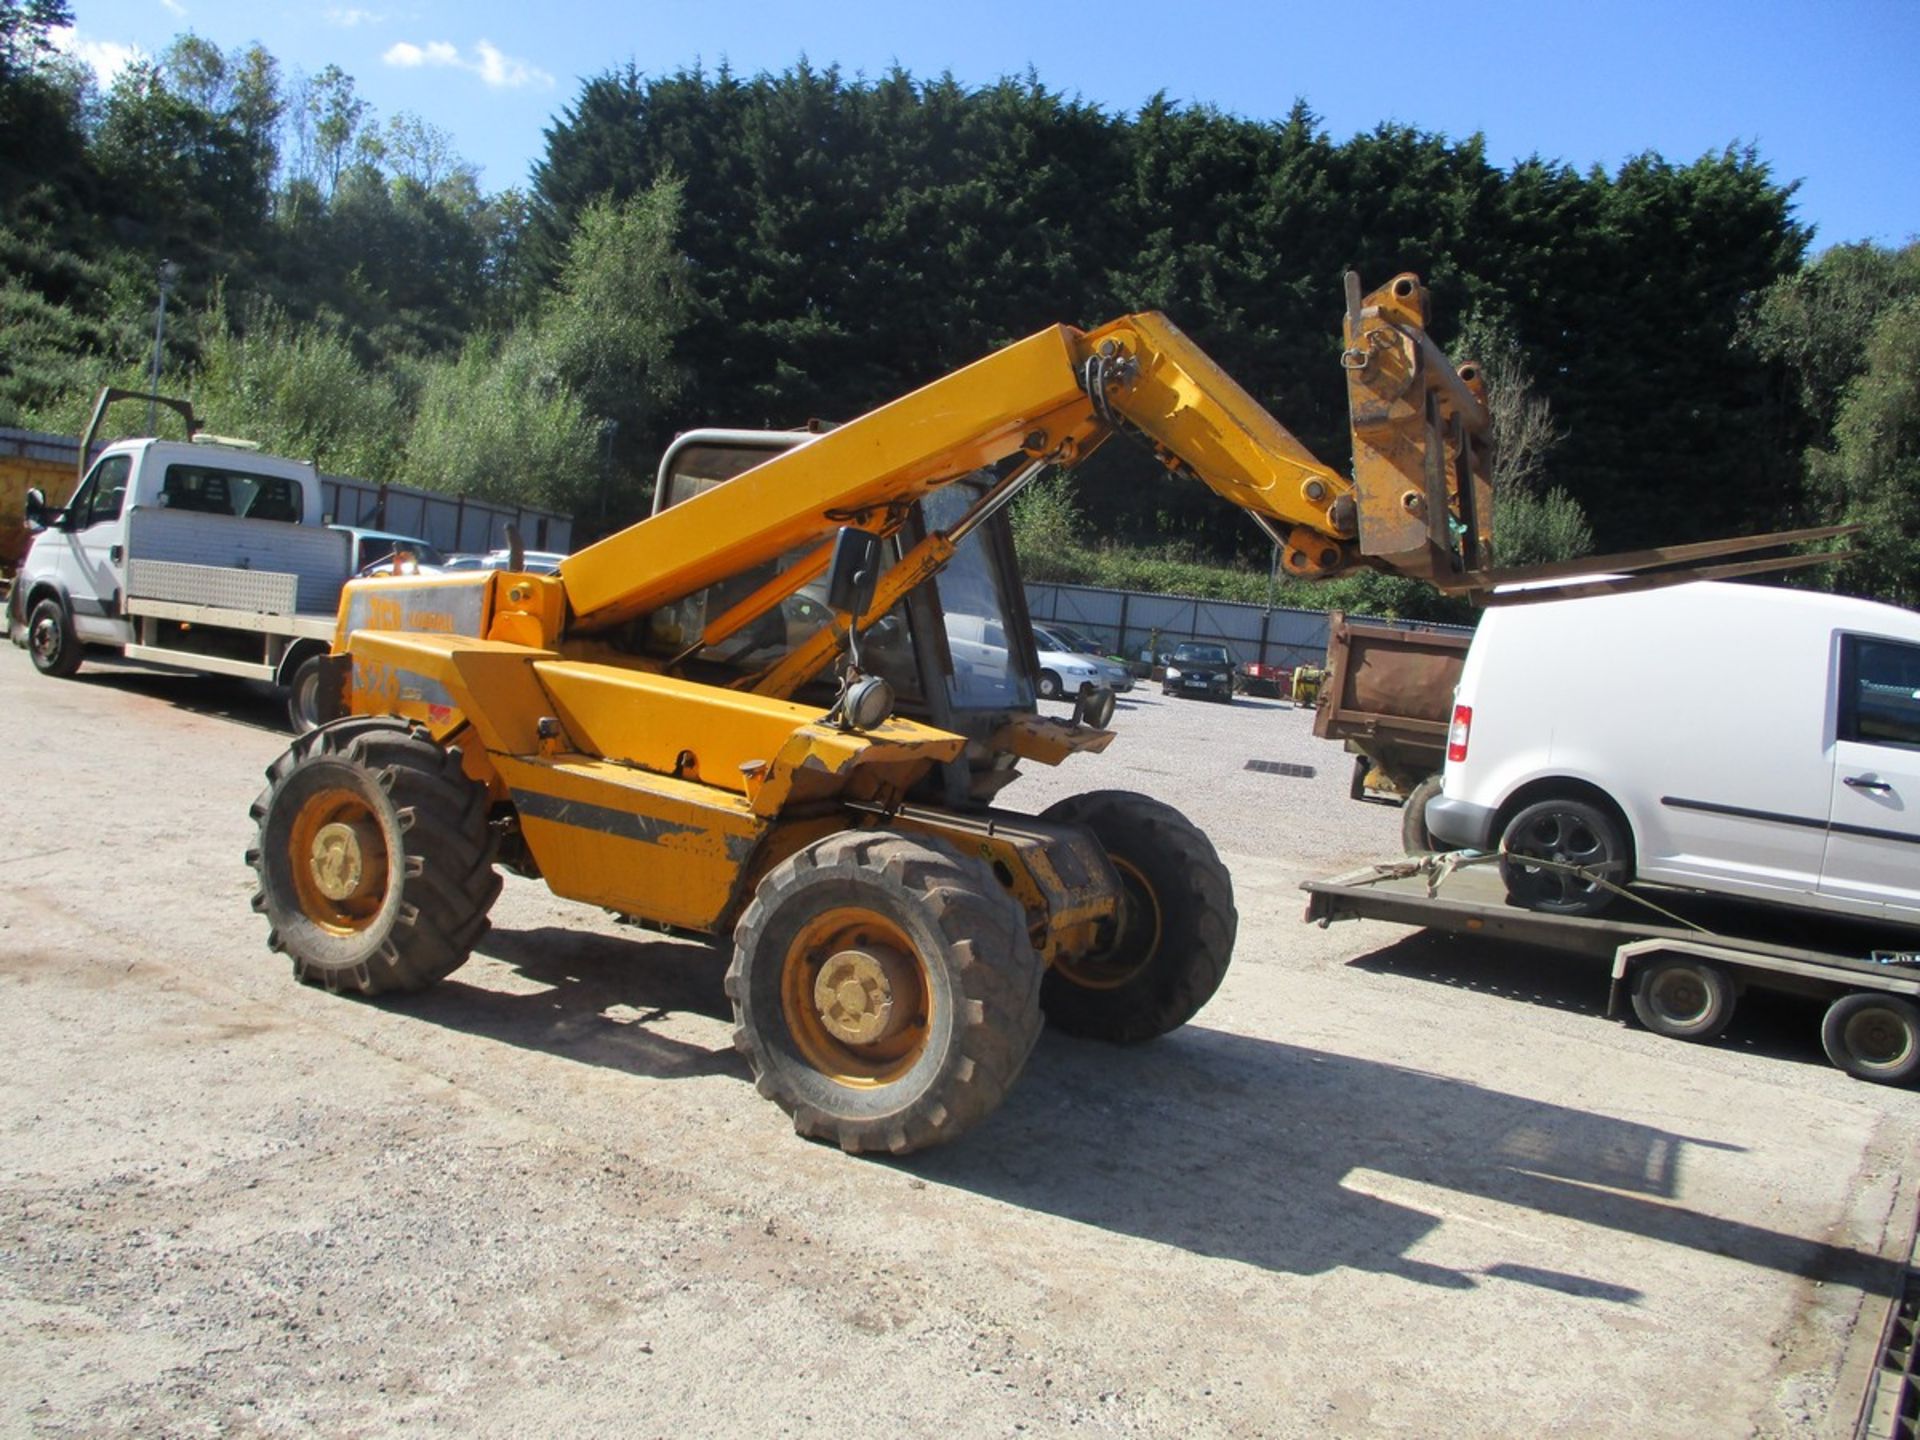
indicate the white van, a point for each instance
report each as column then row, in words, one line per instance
column 1750, row 741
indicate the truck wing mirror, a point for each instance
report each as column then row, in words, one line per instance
column 36, row 510
column 854, row 572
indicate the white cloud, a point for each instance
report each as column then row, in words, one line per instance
column 174, row 8
column 500, row 71
column 348, row 19
column 106, row 58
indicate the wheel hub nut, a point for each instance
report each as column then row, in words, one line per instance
column 859, row 994
column 339, row 858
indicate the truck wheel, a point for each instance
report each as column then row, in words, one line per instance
column 374, row 858
column 885, row 992
column 1562, row 833
column 1873, row 1037
column 1683, row 998
column 303, row 696
column 1049, row 685
column 1415, row 838
column 1176, row 930
column 51, row 641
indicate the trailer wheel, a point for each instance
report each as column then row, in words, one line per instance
column 1683, row 998
column 50, row 640
column 374, row 858
column 885, row 992
column 1873, row 1037
column 1415, row 838
column 1176, row 928
column 1546, row 838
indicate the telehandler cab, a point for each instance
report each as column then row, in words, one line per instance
column 778, row 710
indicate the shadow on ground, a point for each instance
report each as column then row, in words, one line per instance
column 591, row 998
column 1270, row 1154
column 245, row 702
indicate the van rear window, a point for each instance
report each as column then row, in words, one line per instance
column 214, row 490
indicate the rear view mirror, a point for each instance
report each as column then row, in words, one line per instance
column 854, row 572
column 36, row 509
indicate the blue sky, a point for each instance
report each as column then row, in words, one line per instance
column 1829, row 93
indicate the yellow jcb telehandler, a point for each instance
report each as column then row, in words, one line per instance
column 777, row 712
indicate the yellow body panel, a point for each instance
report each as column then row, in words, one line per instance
column 729, row 739
column 667, row 850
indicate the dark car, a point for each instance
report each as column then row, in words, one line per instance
column 1202, row 670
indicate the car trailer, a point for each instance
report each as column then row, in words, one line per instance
column 1681, row 980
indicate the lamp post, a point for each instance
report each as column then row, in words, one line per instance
column 169, row 272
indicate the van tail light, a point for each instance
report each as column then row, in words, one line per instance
column 1457, row 732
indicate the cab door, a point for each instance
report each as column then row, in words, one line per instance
column 1873, row 832
column 96, row 534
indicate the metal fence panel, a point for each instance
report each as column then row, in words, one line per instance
column 1141, row 626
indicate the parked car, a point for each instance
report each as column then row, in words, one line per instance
column 1738, row 739
column 374, row 551
column 1196, row 668
column 1066, row 663
column 532, row 562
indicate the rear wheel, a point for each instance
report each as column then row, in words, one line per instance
column 1177, row 923
column 885, row 992
column 303, row 696
column 1683, row 998
column 51, row 641
column 1562, row 856
column 374, row 858
column 1873, row 1037
column 1415, row 838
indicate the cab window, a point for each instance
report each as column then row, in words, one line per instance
column 213, row 490
column 104, row 493
column 1880, row 692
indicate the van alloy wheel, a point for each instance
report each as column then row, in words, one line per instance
column 1562, row 857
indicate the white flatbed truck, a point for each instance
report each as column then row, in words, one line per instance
column 1680, row 978
column 202, row 555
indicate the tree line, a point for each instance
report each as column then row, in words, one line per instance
column 708, row 248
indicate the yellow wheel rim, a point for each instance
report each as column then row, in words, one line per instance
column 338, row 856
column 1138, row 940
column 854, row 994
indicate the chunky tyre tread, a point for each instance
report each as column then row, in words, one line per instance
column 447, row 878
column 996, row 970
column 1201, row 921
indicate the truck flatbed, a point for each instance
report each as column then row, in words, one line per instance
column 1682, row 967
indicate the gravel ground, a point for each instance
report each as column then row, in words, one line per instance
column 1386, row 1184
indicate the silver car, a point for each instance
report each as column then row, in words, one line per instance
column 1067, row 662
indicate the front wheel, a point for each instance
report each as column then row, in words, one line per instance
column 51, row 641
column 374, row 858
column 1563, row 857
column 1176, row 929
column 884, row 989
column 1873, row 1037
column 1049, row 685
column 1683, row 998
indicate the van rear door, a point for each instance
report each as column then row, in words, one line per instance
column 1873, row 837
